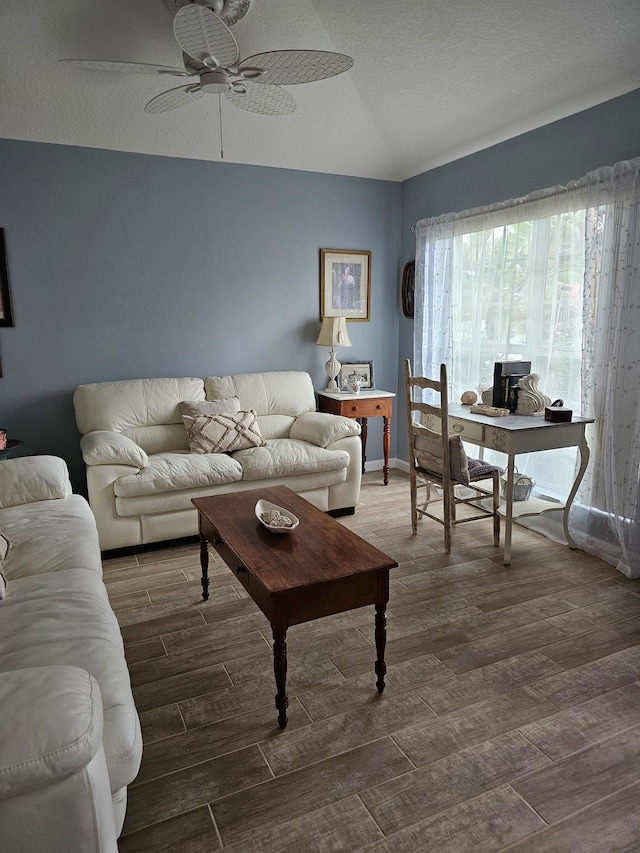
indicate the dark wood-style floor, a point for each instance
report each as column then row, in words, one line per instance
column 510, row 721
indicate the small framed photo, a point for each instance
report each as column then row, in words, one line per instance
column 358, row 371
column 6, row 317
column 345, row 284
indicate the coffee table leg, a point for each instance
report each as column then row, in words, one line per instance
column 204, row 562
column 280, row 671
column 381, row 642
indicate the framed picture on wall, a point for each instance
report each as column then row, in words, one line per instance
column 360, row 371
column 345, row 284
column 6, row 317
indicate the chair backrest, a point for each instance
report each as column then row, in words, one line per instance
column 429, row 448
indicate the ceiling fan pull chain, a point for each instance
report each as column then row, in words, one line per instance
column 220, row 112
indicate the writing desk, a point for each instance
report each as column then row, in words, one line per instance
column 516, row 434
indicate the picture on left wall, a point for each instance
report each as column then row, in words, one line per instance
column 6, row 317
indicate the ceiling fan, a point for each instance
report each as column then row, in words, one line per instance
column 211, row 57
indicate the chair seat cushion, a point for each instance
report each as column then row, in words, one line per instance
column 176, row 470
column 286, row 457
column 480, row 470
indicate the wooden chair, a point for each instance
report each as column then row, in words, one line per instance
column 439, row 460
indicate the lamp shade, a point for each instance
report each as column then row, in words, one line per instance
column 334, row 333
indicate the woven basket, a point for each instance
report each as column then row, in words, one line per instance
column 522, row 486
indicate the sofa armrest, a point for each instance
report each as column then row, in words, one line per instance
column 52, row 726
column 33, row 478
column 322, row 428
column 104, row 447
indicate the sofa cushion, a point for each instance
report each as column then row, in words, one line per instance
column 275, row 426
column 285, row 392
column 64, row 619
column 161, row 505
column 284, row 457
column 145, row 410
column 223, row 433
column 177, row 470
column 48, row 536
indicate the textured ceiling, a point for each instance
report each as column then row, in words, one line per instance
column 433, row 80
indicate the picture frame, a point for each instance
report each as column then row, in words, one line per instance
column 408, row 289
column 345, row 284
column 6, row 315
column 362, row 370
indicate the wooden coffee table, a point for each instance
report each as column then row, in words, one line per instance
column 318, row 569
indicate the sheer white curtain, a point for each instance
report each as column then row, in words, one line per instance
column 552, row 278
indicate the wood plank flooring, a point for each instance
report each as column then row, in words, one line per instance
column 510, row 721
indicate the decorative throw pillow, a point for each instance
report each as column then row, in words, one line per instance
column 458, row 462
column 194, row 408
column 5, row 544
column 428, row 450
column 223, row 433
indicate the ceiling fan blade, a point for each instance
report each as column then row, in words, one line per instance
column 231, row 11
column 202, row 35
column 259, row 98
column 173, row 99
column 286, row 67
column 126, row 67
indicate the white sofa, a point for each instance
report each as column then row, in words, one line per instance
column 141, row 476
column 70, row 739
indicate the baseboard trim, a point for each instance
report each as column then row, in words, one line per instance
column 378, row 464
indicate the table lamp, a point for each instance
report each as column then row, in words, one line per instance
column 333, row 334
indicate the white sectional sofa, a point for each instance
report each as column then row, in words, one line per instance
column 141, row 475
column 70, row 739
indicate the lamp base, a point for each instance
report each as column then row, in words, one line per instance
column 333, row 369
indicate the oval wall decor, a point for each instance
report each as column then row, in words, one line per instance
column 408, row 289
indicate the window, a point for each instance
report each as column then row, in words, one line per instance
column 553, row 278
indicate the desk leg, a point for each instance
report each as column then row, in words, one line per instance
column 363, row 439
column 381, row 642
column 204, row 563
column 509, row 511
column 386, row 443
column 584, row 461
column 280, row 671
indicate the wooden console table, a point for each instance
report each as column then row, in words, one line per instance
column 524, row 434
column 368, row 403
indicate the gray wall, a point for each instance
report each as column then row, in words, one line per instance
column 553, row 154
column 124, row 266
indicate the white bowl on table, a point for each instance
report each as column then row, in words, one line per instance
column 267, row 506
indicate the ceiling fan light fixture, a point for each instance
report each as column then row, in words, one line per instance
column 252, row 73
column 239, row 89
column 214, row 82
